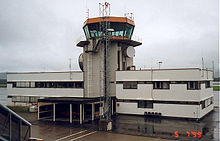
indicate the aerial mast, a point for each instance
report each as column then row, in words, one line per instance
column 104, row 10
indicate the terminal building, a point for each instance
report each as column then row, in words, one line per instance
column 184, row 93
column 109, row 83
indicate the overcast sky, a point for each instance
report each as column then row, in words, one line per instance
column 41, row 35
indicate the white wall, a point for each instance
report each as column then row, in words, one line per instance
column 177, row 92
column 143, row 92
column 206, row 92
column 206, row 110
column 45, row 76
column 163, row 75
column 177, row 75
column 133, row 75
column 171, row 110
column 46, row 92
column 206, row 75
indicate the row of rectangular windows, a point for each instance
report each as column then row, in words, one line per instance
column 149, row 103
column 28, row 84
column 25, row 99
column 191, row 85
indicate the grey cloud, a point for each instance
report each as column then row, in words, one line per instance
column 41, row 35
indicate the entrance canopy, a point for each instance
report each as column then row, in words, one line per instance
column 74, row 100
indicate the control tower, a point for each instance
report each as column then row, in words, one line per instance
column 108, row 47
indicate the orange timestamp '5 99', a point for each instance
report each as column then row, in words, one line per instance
column 193, row 134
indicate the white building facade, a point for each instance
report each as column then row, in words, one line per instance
column 30, row 86
column 185, row 93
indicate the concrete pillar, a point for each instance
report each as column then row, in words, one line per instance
column 80, row 113
column 54, row 112
column 93, row 111
column 112, row 107
column 38, row 111
column 71, row 114
column 83, row 112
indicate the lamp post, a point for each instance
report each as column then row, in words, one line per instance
column 160, row 62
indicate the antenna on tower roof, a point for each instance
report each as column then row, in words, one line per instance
column 104, row 9
column 203, row 67
column 129, row 16
column 87, row 12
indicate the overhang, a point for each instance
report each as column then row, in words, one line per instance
column 73, row 100
column 126, row 41
column 109, row 19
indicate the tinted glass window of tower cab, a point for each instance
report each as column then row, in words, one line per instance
column 119, row 30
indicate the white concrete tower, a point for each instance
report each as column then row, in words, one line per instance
column 108, row 47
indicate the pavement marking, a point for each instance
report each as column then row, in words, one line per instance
column 71, row 135
column 82, row 136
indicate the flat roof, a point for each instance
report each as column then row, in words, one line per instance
column 116, row 70
column 166, row 69
column 75, row 100
column 110, row 19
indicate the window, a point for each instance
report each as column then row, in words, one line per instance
column 193, row 85
column 207, row 102
column 20, row 99
column 59, row 84
column 13, row 84
column 86, row 30
column 203, row 104
column 78, row 85
column 128, row 31
column 130, row 85
column 145, row 104
column 161, row 85
column 207, row 84
column 211, row 100
column 94, row 30
column 33, row 99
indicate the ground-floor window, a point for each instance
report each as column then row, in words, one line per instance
column 25, row 99
column 145, row 104
column 207, row 102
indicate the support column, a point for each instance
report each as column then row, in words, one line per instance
column 83, row 111
column 54, row 112
column 80, row 113
column 93, row 111
column 38, row 111
column 112, row 107
column 71, row 114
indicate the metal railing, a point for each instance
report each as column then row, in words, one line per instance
column 12, row 126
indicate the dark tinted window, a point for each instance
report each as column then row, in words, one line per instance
column 161, row 85
column 130, row 85
column 145, row 104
